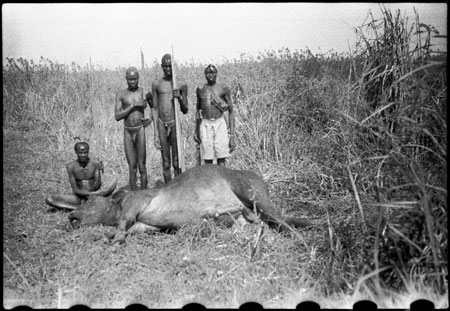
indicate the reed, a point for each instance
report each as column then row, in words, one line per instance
column 354, row 141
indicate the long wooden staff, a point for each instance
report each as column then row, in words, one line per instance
column 180, row 147
column 147, row 134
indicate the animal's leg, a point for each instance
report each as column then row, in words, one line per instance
column 229, row 220
column 298, row 222
column 132, row 205
column 261, row 203
column 250, row 216
column 127, row 219
column 241, row 220
column 121, row 231
column 232, row 210
column 253, row 192
column 140, row 227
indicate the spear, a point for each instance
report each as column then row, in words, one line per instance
column 180, row 147
column 147, row 161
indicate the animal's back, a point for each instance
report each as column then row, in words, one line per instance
column 198, row 193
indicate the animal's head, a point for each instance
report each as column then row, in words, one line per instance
column 97, row 210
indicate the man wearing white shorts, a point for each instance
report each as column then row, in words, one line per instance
column 211, row 130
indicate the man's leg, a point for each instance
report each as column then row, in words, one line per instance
column 165, row 153
column 221, row 142
column 206, row 136
column 131, row 156
column 67, row 201
column 141, row 157
column 173, row 144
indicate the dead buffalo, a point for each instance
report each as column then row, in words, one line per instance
column 207, row 191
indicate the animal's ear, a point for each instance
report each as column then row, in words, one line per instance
column 118, row 196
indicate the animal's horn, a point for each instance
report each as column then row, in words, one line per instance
column 107, row 192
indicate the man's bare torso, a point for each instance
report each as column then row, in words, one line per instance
column 129, row 98
column 210, row 111
column 84, row 176
column 164, row 100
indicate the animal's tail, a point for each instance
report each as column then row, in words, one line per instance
column 298, row 222
column 287, row 223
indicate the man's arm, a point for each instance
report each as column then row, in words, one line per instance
column 97, row 176
column 198, row 116
column 149, row 99
column 155, row 112
column 227, row 99
column 184, row 98
column 119, row 112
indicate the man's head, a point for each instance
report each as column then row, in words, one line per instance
column 211, row 73
column 82, row 151
column 166, row 65
column 132, row 76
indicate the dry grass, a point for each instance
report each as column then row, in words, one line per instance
column 47, row 266
column 325, row 146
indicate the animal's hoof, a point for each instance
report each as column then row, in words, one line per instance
column 51, row 210
column 95, row 237
column 75, row 224
column 118, row 241
column 107, row 237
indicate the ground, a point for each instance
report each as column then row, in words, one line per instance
column 47, row 266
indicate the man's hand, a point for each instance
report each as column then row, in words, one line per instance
column 176, row 94
column 232, row 143
column 197, row 139
column 157, row 143
column 146, row 121
column 149, row 99
column 107, row 191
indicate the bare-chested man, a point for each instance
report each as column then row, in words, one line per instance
column 164, row 117
column 211, row 128
column 84, row 178
column 130, row 107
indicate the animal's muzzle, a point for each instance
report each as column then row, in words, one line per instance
column 74, row 220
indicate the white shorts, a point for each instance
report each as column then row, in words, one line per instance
column 215, row 141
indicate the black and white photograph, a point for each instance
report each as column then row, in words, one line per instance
column 225, row 155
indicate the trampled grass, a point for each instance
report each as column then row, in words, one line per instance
column 311, row 126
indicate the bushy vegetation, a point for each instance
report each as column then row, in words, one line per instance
column 355, row 141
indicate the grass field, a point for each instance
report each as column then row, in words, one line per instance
column 355, row 142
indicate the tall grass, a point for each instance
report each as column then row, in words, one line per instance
column 355, row 141
column 399, row 147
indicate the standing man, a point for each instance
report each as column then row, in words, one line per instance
column 164, row 117
column 130, row 107
column 211, row 128
column 84, row 178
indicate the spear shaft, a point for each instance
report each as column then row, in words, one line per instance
column 150, row 113
column 180, row 147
